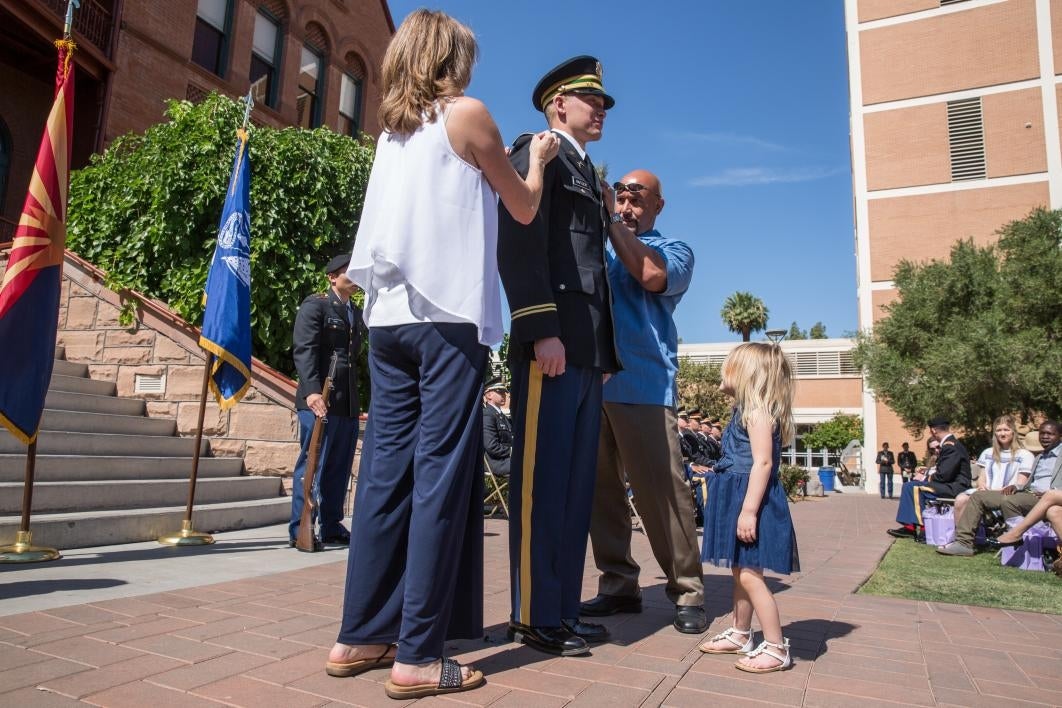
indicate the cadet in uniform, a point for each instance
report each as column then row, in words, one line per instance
column 497, row 429
column 561, row 345
column 949, row 478
column 327, row 322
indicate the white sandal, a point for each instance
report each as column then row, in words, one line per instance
column 765, row 647
column 739, row 647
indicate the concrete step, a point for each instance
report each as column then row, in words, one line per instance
column 55, row 497
column 74, row 384
column 69, row 368
column 53, row 442
column 82, row 422
column 60, row 352
column 89, row 403
column 77, row 468
column 104, row 528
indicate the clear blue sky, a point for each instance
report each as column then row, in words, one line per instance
column 741, row 108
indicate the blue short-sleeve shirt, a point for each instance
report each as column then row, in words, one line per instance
column 646, row 336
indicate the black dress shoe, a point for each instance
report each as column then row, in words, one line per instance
column 605, row 605
column 587, row 631
column 902, row 532
column 995, row 544
column 551, row 640
column 690, row 619
column 342, row 539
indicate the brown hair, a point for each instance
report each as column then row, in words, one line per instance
column 430, row 57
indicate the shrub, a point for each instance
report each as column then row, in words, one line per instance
column 793, row 478
column 146, row 212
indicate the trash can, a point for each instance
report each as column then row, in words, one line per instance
column 826, row 476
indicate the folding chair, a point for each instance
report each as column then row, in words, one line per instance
column 636, row 518
column 497, row 488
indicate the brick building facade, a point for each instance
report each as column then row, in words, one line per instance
column 955, row 132
column 309, row 62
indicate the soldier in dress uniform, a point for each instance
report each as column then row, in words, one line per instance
column 562, row 345
column 327, row 322
column 497, row 430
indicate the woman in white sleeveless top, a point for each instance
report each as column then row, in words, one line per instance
column 1005, row 464
column 425, row 255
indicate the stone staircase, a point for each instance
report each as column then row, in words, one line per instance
column 107, row 474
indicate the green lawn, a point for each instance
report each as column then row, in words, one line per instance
column 918, row 572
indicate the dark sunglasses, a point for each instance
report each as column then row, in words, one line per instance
column 632, row 187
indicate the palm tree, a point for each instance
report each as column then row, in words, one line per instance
column 745, row 313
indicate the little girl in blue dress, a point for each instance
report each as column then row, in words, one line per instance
column 747, row 525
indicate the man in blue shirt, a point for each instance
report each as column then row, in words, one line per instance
column 638, row 442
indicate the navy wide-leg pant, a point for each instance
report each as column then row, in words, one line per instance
column 334, row 463
column 913, row 499
column 556, row 421
column 415, row 570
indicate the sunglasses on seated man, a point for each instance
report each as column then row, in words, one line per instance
column 632, row 187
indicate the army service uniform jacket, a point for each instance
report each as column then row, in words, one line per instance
column 322, row 327
column 553, row 269
column 952, row 475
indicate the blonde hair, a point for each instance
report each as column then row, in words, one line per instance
column 430, row 57
column 1010, row 422
column 762, row 381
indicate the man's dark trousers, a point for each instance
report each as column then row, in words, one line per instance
column 334, row 463
column 415, row 568
column 556, row 421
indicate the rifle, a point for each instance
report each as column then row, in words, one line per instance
column 306, row 540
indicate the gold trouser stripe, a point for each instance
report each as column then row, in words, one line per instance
column 918, row 502
column 533, row 310
column 534, row 400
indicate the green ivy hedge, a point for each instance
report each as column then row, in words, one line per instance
column 147, row 210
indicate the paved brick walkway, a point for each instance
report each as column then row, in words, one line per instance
column 262, row 642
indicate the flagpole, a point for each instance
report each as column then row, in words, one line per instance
column 187, row 536
column 23, row 550
column 215, row 346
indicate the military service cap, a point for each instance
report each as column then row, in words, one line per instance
column 938, row 422
column 580, row 74
column 496, row 384
column 340, row 262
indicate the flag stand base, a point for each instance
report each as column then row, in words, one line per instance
column 186, row 537
column 23, row 551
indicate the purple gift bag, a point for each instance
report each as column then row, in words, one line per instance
column 1029, row 555
column 940, row 525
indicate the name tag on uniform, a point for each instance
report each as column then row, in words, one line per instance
column 580, row 183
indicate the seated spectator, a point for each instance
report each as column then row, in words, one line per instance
column 932, row 453
column 694, row 449
column 497, row 430
column 1005, row 465
column 1049, row 508
column 1046, row 475
column 950, row 477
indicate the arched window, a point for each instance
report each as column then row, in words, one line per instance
column 5, row 162
column 312, row 67
column 265, row 57
column 350, row 95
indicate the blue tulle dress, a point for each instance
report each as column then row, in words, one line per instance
column 775, row 547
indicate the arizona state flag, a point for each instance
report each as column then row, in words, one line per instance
column 227, row 320
column 29, row 295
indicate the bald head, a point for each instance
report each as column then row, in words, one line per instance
column 641, row 207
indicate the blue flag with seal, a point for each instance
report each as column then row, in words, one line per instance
column 226, row 329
